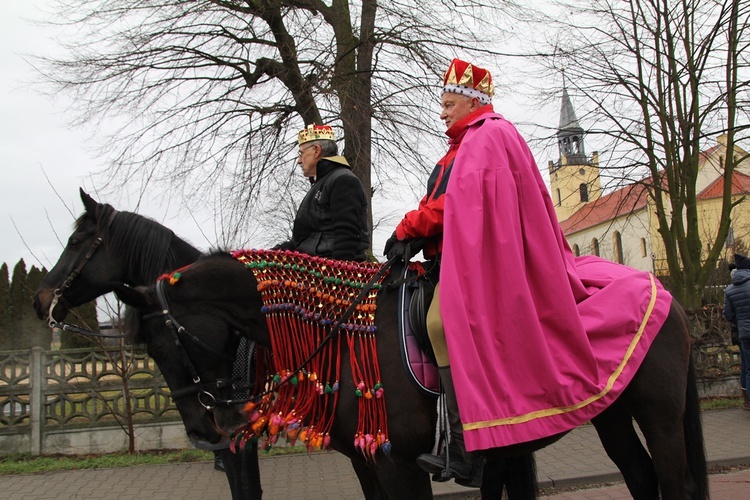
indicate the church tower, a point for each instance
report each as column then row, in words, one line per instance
column 574, row 177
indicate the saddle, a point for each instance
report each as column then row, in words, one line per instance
column 416, row 287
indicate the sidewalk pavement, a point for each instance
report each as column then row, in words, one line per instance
column 577, row 459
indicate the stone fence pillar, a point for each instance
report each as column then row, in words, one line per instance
column 36, row 399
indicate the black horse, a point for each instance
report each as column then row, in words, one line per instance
column 216, row 301
column 109, row 248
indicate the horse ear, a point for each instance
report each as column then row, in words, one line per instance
column 139, row 296
column 88, row 202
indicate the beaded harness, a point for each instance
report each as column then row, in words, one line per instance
column 303, row 298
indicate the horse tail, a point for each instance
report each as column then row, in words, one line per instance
column 694, row 446
column 517, row 475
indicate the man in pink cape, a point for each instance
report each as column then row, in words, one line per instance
column 538, row 341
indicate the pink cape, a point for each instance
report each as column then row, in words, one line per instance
column 539, row 341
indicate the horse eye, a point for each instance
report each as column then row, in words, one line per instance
column 73, row 242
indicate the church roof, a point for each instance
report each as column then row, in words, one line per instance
column 568, row 119
column 740, row 185
column 624, row 201
column 632, row 198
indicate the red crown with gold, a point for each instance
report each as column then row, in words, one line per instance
column 465, row 78
column 315, row 133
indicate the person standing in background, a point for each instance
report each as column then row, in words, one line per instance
column 737, row 312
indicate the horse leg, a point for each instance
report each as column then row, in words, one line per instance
column 516, row 474
column 243, row 472
column 617, row 434
column 668, row 411
column 368, row 481
column 392, row 478
column 494, row 474
column 674, row 437
column 665, row 440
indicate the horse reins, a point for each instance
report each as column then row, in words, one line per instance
column 98, row 240
column 176, row 328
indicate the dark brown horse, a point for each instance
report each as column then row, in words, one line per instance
column 109, row 248
column 216, row 301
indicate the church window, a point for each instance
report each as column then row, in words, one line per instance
column 583, row 190
column 576, row 250
column 559, row 197
column 644, row 251
column 730, row 238
column 617, row 243
column 595, row 247
column 566, row 146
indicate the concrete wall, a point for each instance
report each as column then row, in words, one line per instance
column 169, row 435
column 719, row 387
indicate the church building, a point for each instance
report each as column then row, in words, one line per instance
column 621, row 225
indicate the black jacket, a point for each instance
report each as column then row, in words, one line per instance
column 332, row 218
column 737, row 302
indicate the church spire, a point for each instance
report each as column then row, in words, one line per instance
column 568, row 119
column 569, row 133
column 574, row 177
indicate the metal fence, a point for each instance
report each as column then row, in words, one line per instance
column 713, row 353
column 43, row 391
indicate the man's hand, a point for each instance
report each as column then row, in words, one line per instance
column 395, row 247
column 399, row 248
column 389, row 244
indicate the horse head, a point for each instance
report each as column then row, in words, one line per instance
column 70, row 281
column 191, row 325
column 108, row 248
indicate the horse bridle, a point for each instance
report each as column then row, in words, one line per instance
column 57, row 294
column 198, row 387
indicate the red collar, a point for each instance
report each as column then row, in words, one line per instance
column 458, row 129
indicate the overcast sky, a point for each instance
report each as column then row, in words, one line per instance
column 37, row 141
column 32, row 138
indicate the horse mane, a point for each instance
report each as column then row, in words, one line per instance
column 132, row 318
column 143, row 243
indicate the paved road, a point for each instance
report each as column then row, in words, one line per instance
column 575, row 460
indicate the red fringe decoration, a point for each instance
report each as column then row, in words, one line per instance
column 303, row 297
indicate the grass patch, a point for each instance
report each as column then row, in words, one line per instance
column 21, row 463
column 720, row 403
column 24, row 463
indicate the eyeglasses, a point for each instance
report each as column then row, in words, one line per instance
column 302, row 150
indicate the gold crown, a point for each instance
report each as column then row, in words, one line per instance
column 467, row 75
column 315, row 133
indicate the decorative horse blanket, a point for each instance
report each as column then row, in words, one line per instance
column 304, row 299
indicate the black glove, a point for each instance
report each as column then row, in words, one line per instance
column 389, row 244
column 399, row 248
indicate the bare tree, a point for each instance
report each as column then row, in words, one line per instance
column 659, row 79
column 209, row 93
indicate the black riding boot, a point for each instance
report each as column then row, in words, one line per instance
column 464, row 467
